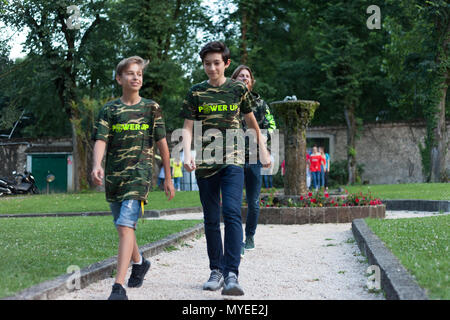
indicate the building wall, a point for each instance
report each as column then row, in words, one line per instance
column 13, row 156
column 390, row 152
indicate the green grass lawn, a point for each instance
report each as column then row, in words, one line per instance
column 89, row 201
column 34, row 250
column 424, row 191
column 422, row 246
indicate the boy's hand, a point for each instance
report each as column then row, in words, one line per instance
column 189, row 165
column 265, row 160
column 97, row 175
column 169, row 189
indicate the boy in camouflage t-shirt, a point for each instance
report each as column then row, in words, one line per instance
column 126, row 129
column 217, row 104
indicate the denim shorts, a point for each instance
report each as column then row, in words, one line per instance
column 126, row 213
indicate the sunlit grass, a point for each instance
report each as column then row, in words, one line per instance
column 34, row 250
column 89, row 202
column 422, row 246
column 424, row 191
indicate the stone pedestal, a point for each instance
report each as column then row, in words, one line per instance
column 296, row 114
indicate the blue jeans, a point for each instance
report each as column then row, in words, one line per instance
column 316, row 178
column 322, row 178
column 252, row 173
column 229, row 181
column 176, row 183
column 268, row 181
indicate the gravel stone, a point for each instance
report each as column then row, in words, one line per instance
column 290, row 262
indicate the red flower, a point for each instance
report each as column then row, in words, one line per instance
column 313, row 200
column 301, row 197
column 309, row 194
column 356, row 200
column 336, row 205
column 267, row 205
column 332, row 201
column 327, row 195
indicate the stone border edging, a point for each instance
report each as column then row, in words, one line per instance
column 147, row 213
column 396, row 281
column 417, row 205
column 100, row 270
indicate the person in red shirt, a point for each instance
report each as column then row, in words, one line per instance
column 316, row 160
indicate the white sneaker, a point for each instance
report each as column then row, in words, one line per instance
column 215, row 281
column 232, row 287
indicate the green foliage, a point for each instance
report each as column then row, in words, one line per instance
column 416, row 62
column 339, row 174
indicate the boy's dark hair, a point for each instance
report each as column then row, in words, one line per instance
column 215, row 46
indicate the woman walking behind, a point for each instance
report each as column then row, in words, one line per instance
column 252, row 171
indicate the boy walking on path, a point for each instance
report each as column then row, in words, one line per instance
column 127, row 128
column 217, row 104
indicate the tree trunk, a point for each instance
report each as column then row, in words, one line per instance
column 439, row 150
column 440, row 147
column 351, row 143
column 244, row 28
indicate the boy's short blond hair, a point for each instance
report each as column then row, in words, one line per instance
column 127, row 61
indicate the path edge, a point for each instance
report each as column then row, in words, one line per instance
column 396, row 281
column 58, row 286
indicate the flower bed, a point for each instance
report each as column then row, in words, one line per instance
column 319, row 207
column 320, row 199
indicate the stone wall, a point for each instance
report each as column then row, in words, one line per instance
column 13, row 156
column 390, row 152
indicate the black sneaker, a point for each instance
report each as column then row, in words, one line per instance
column 118, row 293
column 232, row 287
column 138, row 272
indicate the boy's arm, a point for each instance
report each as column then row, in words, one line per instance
column 253, row 124
column 97, row 173
column 189, row 163
column 165, row 156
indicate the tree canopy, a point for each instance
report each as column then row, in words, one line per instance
column 316, row 50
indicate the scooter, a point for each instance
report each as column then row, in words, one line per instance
column 6, row 187
column 24, row 184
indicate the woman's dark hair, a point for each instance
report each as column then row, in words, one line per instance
column 215, row 46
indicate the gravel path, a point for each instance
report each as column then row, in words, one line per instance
column 290, row 262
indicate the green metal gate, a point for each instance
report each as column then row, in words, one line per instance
column 45, row 164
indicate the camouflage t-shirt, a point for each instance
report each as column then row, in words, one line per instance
column 130, row 132
column 218, row 109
